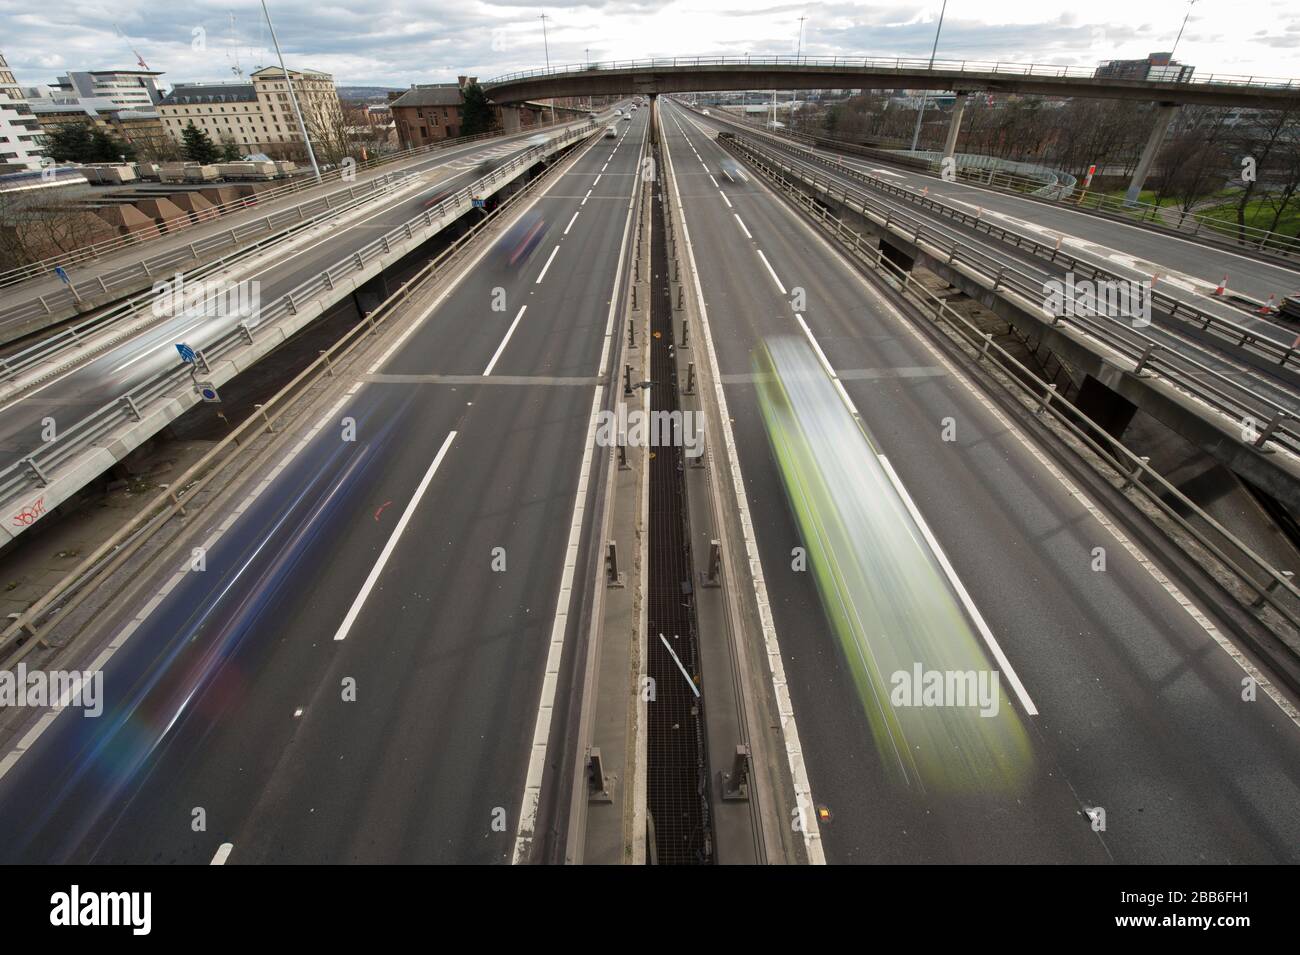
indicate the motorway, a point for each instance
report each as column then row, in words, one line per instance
column 1133, row 701
column 377, row 660
column 370, row 565
column 72, row 395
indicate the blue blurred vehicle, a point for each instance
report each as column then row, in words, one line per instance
column 520, row 240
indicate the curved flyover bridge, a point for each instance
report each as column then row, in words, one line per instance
column 700, row 74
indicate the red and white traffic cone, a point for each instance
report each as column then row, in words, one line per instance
column 1221, row 286
column 1268, row 306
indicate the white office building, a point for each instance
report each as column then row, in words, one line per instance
column 125, row 89
column 20, row 131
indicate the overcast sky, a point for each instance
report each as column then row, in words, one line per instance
column 399, row 42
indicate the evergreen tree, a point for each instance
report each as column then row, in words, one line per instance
column 79, row 142
column 105, row 147
column 230, row 152
column 69, row 142
column 476, row 113
column 197, row 146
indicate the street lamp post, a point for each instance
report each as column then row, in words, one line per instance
column 925, row 97
column 293, row 97
column 547, row 47
column 1190, row 4
column 798, row 58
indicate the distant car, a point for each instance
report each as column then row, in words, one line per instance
column 538, row 140
column 627, row 118
column 618, row 112
column 518, row 243
column 634, row 107
column 611, row 132
column 705, row 112
column 591, row 115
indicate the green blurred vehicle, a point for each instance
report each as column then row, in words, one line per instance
column 888, row 601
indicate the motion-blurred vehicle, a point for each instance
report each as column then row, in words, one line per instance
column 617, row 111
column 733, row 170
column 627, row 118
column 705, row 112
column 520, row 240
column 437, row 197
column 539, row 139
column 611, row 132
column 890, row 604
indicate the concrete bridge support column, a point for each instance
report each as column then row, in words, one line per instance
column 510, row 119
column 1165, row 113
column 954, row 126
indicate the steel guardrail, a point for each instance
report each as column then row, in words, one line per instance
column 1208, row 227
column 44, row 268
column 1226, row 330
column 29, row 626
column 48, row 347
column 36, row 469
column 1134, row 470
column 1276, row 426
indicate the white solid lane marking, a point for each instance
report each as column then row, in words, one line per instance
column 502, row 347
column 223, row 853
column 549, row 260
column 771, row 271
column 1003, row 663
column 387, row 552
column 742, row 225
column 571, row 222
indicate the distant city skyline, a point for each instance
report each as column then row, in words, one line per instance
column 420, row 41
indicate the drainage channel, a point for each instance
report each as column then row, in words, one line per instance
column 677, row 761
